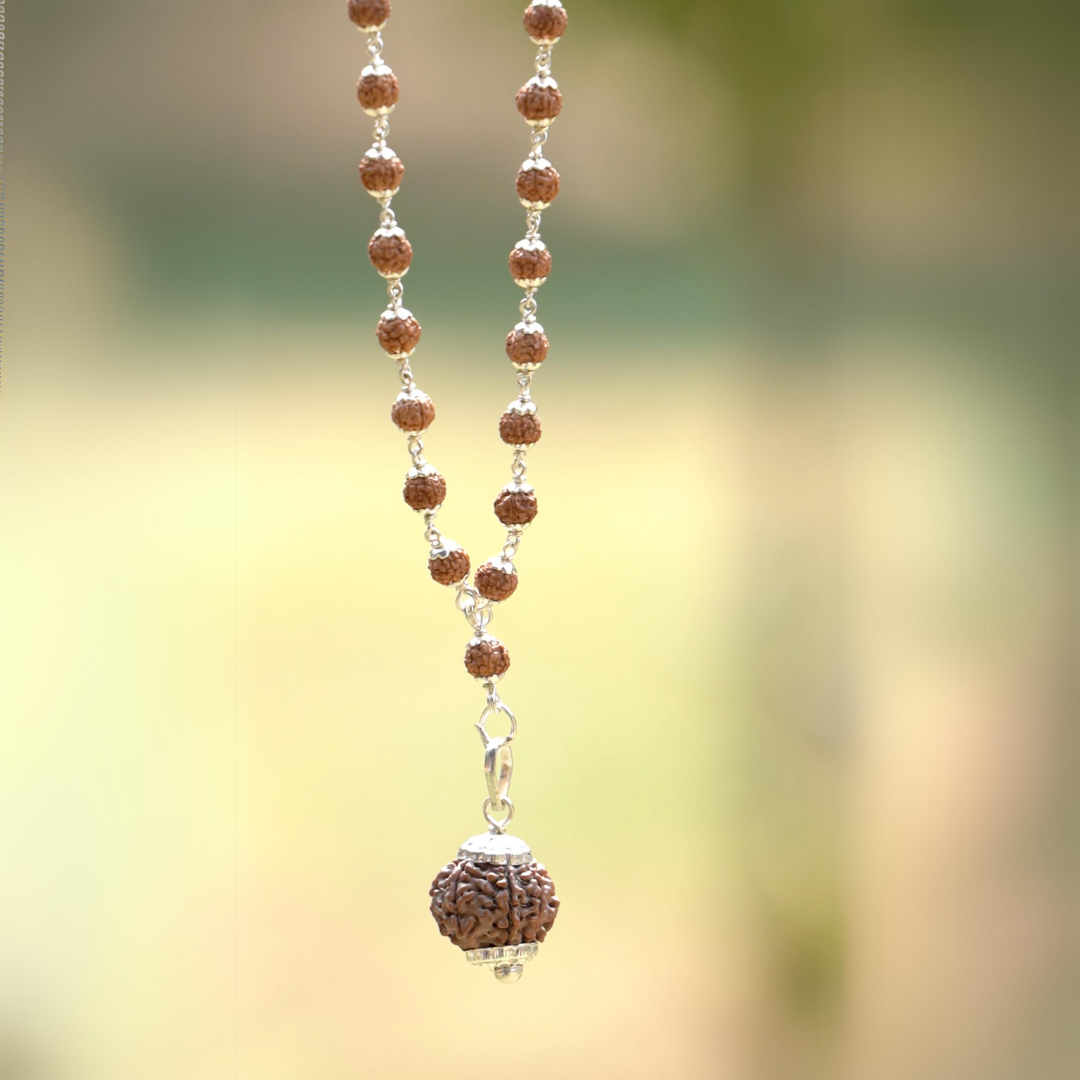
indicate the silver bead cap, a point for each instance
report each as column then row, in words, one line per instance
column 530, row 245
column 423, row 470
column 532, row 327
column 375, row 69
column 507, row 961
column 518, row 487
column 380, row 153
column 395, row 313
column 531, row 164
column 521, row 408
column 499, row 849
column 546, row 3
column 545, row 82
column 448, row 548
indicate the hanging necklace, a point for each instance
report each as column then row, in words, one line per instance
column 494, row 901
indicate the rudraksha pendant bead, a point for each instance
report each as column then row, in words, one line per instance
column 369, row 14
column 496, row 903
column 449, row 565
column 527, row 345
column 424, row 489
column 537, row 184
column 381, row 172
column 390, row 252
column 398, row 332
column 530, row 263
column 377, row 90
column 486, row 658
column 539, row 100
column 413, row 410
column 545, row 21
column 496, row 580
column 516, row 504
column 519, row 425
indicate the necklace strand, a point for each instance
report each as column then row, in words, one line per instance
column 398, row 332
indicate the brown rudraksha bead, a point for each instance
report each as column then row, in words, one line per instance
column 413, row 411
column 424, row 490
column 381, row 173
column 482, row 905
column 516, row 505
column 369, row 14
column 530, row 263
column 449, row 567
column 398, row 332
column 537, row 184
column 377, row 90
column 486, row 658
column 527, row 345
column 496, row 580
column 390, row 252
column 545, row 23
column 519, row 428
column 539, row 100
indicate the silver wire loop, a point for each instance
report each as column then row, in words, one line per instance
column 499, row 826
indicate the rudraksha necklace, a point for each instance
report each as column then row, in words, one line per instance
column 494, row 901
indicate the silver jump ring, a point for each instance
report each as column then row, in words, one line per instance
column 499, row 826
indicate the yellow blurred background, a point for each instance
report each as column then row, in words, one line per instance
column 791, row 650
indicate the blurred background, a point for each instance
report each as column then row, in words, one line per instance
column 792, row 649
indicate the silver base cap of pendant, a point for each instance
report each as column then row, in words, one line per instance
column 506, row 962
column 500, row 849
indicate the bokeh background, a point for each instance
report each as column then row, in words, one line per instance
column 792, row 650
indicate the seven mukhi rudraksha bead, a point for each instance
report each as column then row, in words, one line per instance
column 381, row 172
column 496, row 580
column 527, row 345
column 413, row 410
column 519, row 425
column 486, row 658
column 495, row 902
column 390, row 252
column 449, row 565
column 377, row 90
column 398, row 333
column 369, row 14
column 545, row 21
column 516, row 505
column 530, row 263
column 424, row 489
column 539, row 100
column 537, row 184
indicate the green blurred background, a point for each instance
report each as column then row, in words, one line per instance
column 791, row 651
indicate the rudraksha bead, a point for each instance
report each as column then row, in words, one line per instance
column 516, row 505
column 496, row 580
column 527, row 345
column 413, row 411
column 390, row 252
column 520, row 427
column 480, row 905
column 377, row 90
column 539, row 100
column 545, row 21
column 449, row 566
column 380, row 173
column 398, row 332
column 530, row 263
column 537, row 184
column 424, row 489
column 486, row 658
column 369, row 14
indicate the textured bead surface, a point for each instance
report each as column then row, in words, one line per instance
column 537, row 184
column 424, row 492
column 369, row 14
column 398, row 332
column 377, row 90
column 519, row 429
column 481, row 906
column 486, row 658
column 495, row 582
column 413, row 411
column 381, row 173
column 545, row 23
column 539, row 101
column 390, row 252
column 530, row 263
column 451, row 568
column 516, row 506
column 527, row 344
